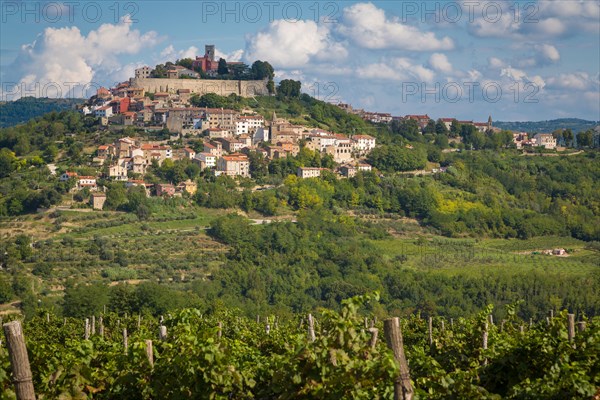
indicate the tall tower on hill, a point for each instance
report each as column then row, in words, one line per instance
column 209, row 52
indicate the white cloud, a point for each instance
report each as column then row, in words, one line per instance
column 288, row 44
column 572, row 81
column 234, row 56
column 439, row 62
column 170, row 54
column 528, row 20
column 397, row 69
column 66, row 58
column 547, row 52
column 543, row 54
column 368, row 27
column 515, row 75
column 496, row 63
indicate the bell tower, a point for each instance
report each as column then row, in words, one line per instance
column 209, row 52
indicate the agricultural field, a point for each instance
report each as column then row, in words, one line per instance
column 485, row 255
column 173, row 247
column 70, row 247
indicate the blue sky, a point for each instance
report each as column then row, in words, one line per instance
column 527, row 60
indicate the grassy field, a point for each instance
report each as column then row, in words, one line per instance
column 471, row 256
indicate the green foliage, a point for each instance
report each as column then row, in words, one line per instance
column 82, row 301
column 222, row 68
column 220, row 354
column 571, row 124
column 289, row 88
column 26, row 108
column 394, row 158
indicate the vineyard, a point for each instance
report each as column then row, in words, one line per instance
column 335, row 355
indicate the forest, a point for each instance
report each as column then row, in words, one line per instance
column 26, row 108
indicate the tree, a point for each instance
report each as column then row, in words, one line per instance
column 569, row 137
column 407, row 128
column 441, row 128
column 441, row 141
column 262, row 70
column 8, row 162
column 585, row 139
column 258, row 165
column 455, row 128
column 396, row 158
column 82, row 301
column 222, row 69
column 289, row 88
column 50, row 153
column 116, row 196
column 430, row 128
column 210, row 100
column 185, row 62
column 6, row 293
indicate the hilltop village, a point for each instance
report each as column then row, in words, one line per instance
column 172, row 99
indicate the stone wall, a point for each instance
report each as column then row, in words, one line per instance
column 202, row 86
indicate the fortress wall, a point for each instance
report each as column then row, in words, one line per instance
column 202, row 86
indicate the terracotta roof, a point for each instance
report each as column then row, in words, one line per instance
column 362, row 137
column 236, row 157
column 154, row 147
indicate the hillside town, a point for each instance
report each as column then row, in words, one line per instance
column 165, row 99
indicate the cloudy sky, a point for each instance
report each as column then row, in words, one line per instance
column 515, row 60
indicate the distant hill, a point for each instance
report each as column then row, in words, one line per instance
column 22, row 110
column 575, row 124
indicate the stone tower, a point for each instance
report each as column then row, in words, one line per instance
column 209, row 52
column 489, row 123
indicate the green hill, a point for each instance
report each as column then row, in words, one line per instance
column 26, row 108
column 575, row 124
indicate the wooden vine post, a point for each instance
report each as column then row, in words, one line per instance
column 403, row 389
column 86, row 333
column 430, row 330
column 19, row 361
column 125, row 341
column 149, row 352
column 374, row 333
column 101, row 327
column 311, row 328
column 571, row 321
column 162, row 332
column 485, row 341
